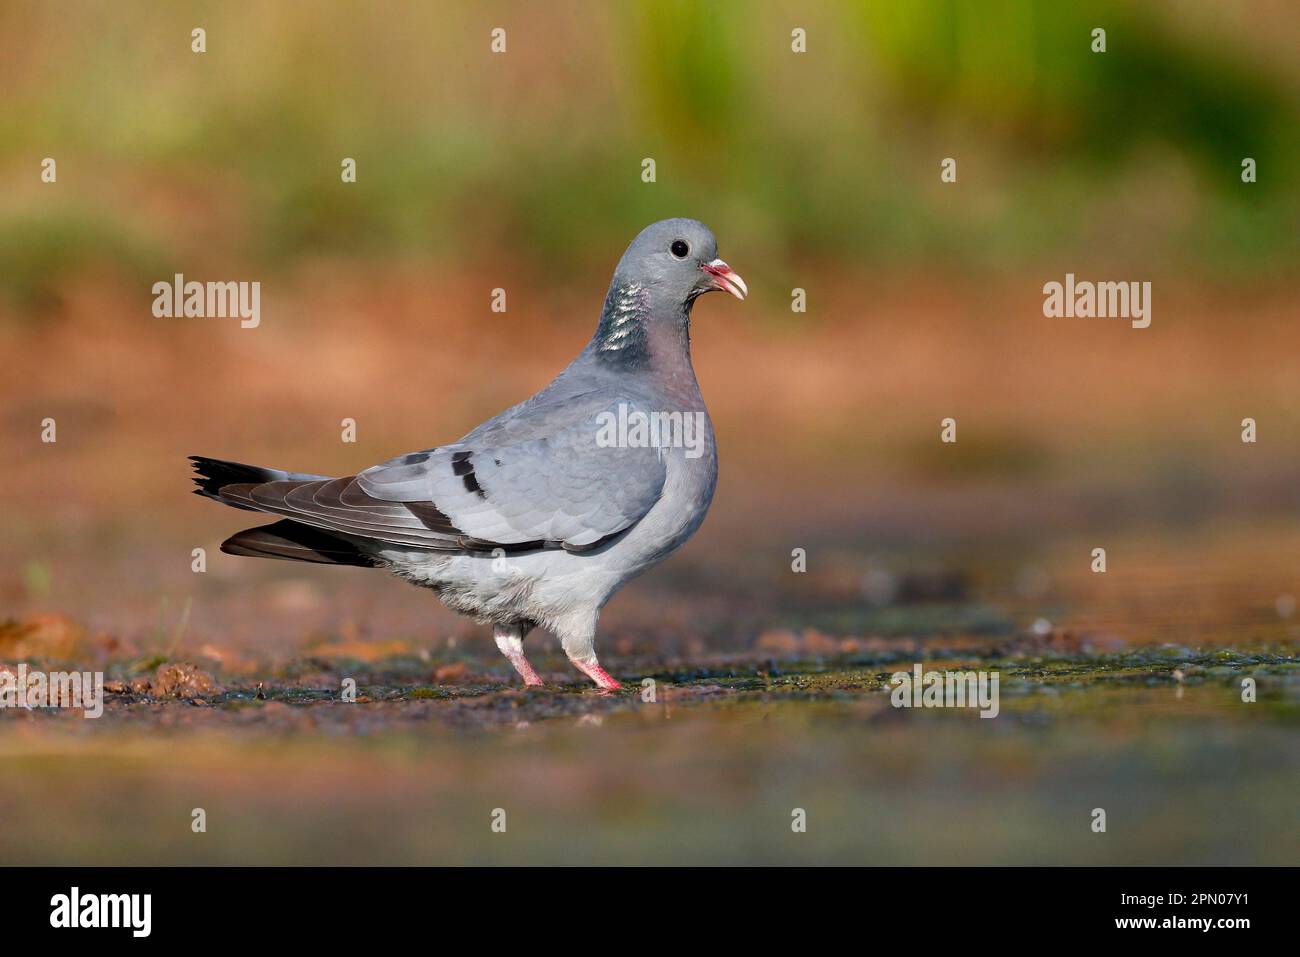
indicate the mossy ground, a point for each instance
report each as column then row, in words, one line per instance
column 710, row 770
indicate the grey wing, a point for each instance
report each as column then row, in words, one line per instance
column 576, row 485
column 573, row 488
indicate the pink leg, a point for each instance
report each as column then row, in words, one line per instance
column 511, row 643
column 531, row 677
column 592, row 669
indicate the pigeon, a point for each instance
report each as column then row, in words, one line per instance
column 538, row 516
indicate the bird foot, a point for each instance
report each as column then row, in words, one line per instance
column 596, row 673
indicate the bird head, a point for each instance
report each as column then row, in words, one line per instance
column 676, row 260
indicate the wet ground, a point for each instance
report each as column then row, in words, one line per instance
column 705, row 756
column 712, row 771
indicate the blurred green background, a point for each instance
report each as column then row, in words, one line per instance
column 168, row 159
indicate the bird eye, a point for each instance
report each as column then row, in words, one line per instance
column 680, row 249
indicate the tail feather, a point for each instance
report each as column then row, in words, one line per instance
column 231, row 482
column 290, row 541
column 212, row 475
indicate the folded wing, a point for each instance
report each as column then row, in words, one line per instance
column 574, row 488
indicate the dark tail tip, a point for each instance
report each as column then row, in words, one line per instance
column 211, row 475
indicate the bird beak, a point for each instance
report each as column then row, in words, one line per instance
column 725, row 279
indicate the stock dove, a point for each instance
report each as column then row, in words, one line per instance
column 541, row 513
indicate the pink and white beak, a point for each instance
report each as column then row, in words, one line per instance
column 725, row 279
